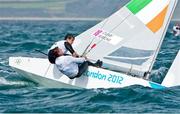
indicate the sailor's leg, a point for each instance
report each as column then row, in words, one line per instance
column 82, row 68
column 97, row 64
column 90, row 63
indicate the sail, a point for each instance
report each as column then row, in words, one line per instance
column 129, row 40
column 172, row 78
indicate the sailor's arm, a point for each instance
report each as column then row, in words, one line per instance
column 70, row 49
column 78, row 60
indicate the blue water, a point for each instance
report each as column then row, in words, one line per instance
column 20, row 38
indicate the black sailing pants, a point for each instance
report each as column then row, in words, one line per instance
column 83, row 67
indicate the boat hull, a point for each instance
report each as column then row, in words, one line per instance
column 42, row 72
column 42, row 81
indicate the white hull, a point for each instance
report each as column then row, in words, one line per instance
column 45, row 82
column 46, row 74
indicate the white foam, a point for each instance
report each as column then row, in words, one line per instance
column 3, row 81
column 99, row 91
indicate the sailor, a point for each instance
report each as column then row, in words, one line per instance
column 65, row 45
column 72, row 67
column 176, row 30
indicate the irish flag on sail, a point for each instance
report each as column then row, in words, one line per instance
column 151, row 12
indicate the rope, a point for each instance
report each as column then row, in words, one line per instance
column 105, row 22
column 85, row 53
column 95, row 44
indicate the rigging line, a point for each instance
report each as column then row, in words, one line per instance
column 120, row 23
column 94, row 45
column 85, row 53
column 105, row 22
column 88, row 46
column 41, row 52
column 107, row 19
column 161, row 41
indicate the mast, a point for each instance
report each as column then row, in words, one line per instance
column 162, row 38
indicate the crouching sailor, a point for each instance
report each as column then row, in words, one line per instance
column 71, row 66
column 65, row 45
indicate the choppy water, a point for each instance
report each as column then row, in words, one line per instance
column 20, row 38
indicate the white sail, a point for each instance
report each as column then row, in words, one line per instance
column 129, row 40
column 173, row 76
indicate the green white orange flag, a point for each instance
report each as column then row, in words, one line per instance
column 151, row 12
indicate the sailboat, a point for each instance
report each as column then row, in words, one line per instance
column 127, row 42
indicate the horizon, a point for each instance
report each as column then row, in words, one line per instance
column 63, row 8
column 57, row 19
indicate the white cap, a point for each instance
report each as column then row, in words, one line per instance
column 53, row 46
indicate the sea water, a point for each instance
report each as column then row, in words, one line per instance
column 21, row 38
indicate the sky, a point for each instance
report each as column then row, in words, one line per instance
column 63, row 8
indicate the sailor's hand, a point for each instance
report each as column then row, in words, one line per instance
column 85, row 57
column 75, row 54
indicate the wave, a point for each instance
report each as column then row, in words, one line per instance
column 3, row 81
column 159, row 74
column 5, row 84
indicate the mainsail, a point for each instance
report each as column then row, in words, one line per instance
column 129, row 40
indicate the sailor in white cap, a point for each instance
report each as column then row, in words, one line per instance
column 65, row 45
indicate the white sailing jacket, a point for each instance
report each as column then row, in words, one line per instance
column 68, row 65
